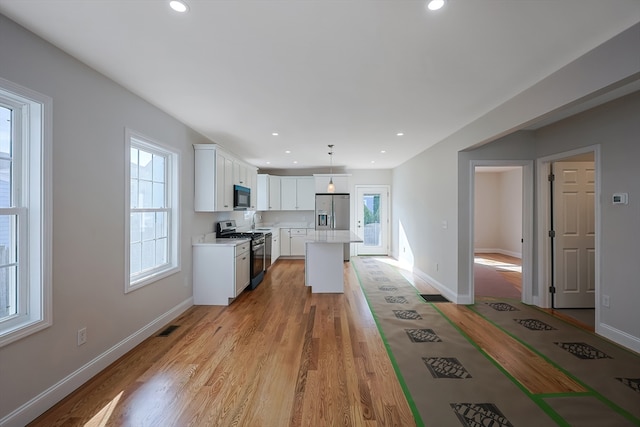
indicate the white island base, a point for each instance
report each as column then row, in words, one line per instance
column 324, row 263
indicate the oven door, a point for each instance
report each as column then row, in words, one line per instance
column 257, row 262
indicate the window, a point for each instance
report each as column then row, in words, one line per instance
column 153, row 211
column 25, row 212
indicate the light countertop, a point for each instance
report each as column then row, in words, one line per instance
column 332, row 236
column 210, row 239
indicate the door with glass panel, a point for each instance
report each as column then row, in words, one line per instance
column 372, row 219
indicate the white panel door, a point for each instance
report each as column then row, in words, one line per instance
column 574, row 224
column 372, row 220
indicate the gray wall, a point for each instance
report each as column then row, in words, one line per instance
column 616, row 129
column 90, row 113
column 498, row 212
column 431, row 192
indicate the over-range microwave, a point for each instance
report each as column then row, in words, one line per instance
column 241, row 198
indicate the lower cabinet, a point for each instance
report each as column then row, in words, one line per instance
column 292, row 242
column 220, row 272
column 298, row 237
column 285, row 242
column 275, row 245
column 243, row 269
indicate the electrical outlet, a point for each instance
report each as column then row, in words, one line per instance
column 82, row 336
column 605, row 300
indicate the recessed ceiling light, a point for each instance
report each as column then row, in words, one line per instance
column 399, row 134
column 274, row 133
column 373, row 161
column 268, row 163
column 435, row 4
column 382, row 151
column 295, row 162
column 288, row 151
column 179, row 6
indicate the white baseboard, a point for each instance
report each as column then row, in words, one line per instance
column 446, row 292
column 45, row 400
column 497, row 251
column 618, row 336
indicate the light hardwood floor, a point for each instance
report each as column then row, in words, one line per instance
column 504, row 264
column 277, row 356
column 582, row 318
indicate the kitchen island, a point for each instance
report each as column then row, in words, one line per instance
column 324, row 250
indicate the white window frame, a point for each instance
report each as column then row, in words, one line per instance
column 32, row 131
column 137, row 140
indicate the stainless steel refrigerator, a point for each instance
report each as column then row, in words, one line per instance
column 332, row 213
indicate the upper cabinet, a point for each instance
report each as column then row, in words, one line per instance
column 297, row 193
column 243, row 174
column 340, row 181
column 253, row 180
column 213, row 179
column 216, row 171
column 247, row 176
column 268, row 193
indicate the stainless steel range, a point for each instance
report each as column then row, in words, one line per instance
column 228, row 230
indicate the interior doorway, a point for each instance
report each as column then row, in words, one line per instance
column 498, row 231
column 515, row 246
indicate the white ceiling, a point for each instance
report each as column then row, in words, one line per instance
column 352, row 73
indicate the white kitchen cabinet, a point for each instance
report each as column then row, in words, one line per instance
column 216, row 172
column 292, row 241
column 275, row 245
column 285, row 242
column 340, row 182
column 262, row 192
column 213, row 179
column 274, row 193
column 268, row 192
column 240, row 174
column 246, row 176
column 288, row 186
column 297, row 193
column 253, row 180
column 221, row 271
column 298, row 237
column 224, row 182
column 243, row 268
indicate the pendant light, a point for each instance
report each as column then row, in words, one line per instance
column 331, row 188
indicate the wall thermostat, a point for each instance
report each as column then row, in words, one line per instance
column 620, row 198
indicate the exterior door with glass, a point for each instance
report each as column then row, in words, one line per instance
column 372, row 219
